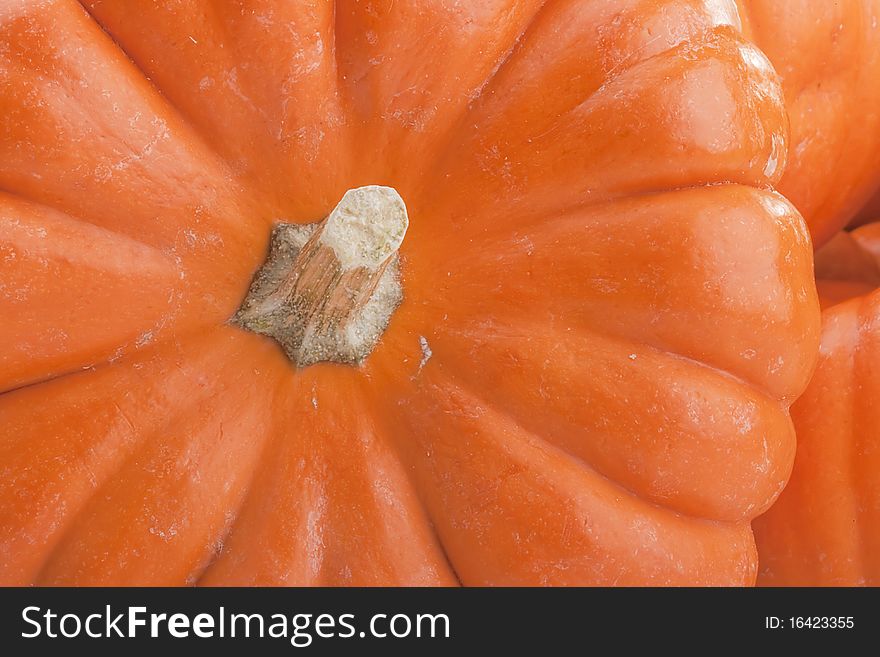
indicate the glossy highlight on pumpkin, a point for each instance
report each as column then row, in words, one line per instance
column 606, row 314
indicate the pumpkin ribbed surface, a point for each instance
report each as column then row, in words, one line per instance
column 606, row 312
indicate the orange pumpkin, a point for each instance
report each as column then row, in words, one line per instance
column 828, row 55
column 825, row 528
column 869, row 212
column 606, row 313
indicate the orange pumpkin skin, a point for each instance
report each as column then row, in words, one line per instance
column 828, row 56
column 869, row 212
column 606, row 317
column 825, row 528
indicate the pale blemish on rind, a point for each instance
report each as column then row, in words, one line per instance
column 426, row 352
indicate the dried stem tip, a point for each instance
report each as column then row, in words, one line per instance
column 327, row 291
column 366, row 228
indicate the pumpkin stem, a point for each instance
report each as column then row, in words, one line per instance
column 327, row 291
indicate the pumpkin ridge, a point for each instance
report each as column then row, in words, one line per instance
column 79, row 249
column 503, row 61
column 531, row 218
column 69, row 522
column 707, row 38
column 508, row 176
column 360, row 512
column 526, row 444
column 369, row 391
column 139, row 439
column 192, row 126
column 521, row 248
column 266, row 460
column 142, row 438
column 63, row 217
column 664, row 505
column 197, row 576
column 71, row 539
column 381, row 367
column 768, row 402
column 659, row 349
column 385, row 436
column 121, row 355
column 537, row 440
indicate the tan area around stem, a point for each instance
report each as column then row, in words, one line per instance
column 327, row 291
